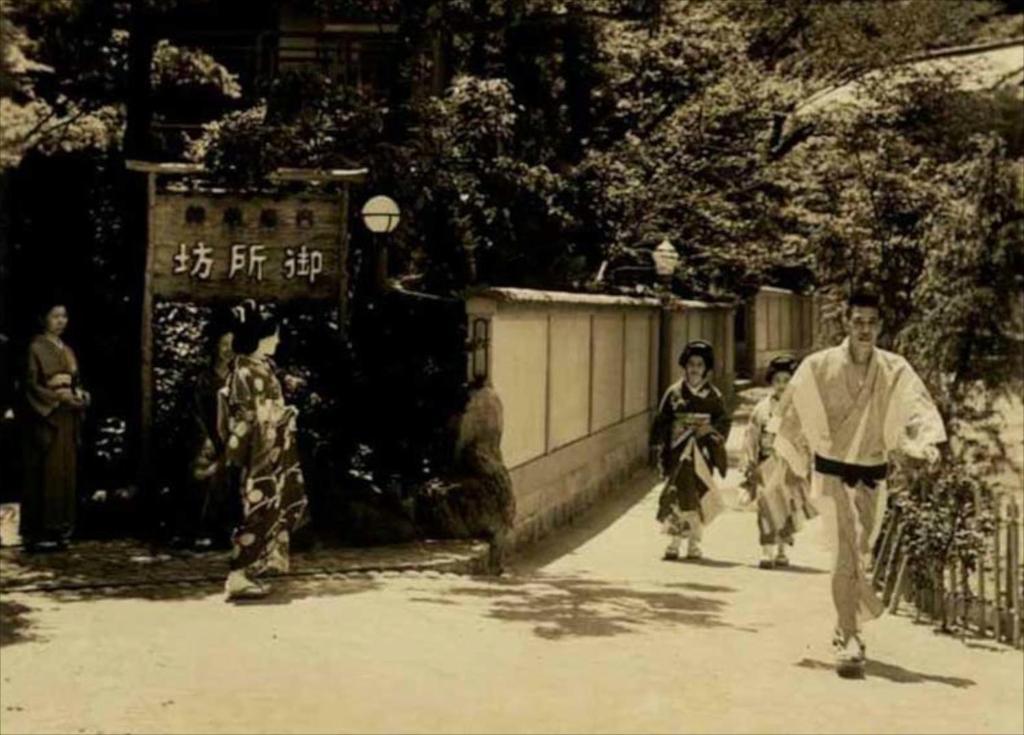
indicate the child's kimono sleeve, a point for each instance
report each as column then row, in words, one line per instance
column 798, row 419
column 721, row 422
column 752, row 437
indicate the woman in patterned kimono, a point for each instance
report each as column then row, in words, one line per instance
column 689, row 436
column 55, row 404
column 260, row 439
column 782, row 507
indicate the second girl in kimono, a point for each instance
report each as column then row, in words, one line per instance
column 781, row 507
column 689, row 435
column 260, row 431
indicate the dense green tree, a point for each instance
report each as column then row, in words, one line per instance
column 570, row 137
column 65, row 77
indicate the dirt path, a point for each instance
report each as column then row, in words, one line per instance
column 593, row 633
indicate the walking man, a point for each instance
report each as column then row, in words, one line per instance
column 846, row 413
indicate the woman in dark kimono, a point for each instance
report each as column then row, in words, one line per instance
column 55, row 403
column 259, row 431
column 689, row 435
column 212, row 506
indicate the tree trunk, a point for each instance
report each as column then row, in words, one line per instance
column 577, row 89
column 478, row 48
column 137, row 141
column 138, row 145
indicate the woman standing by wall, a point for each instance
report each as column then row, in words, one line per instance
column 55, row 404
column 260, row 438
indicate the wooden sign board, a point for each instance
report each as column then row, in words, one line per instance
column 207, row 246
column 222, row 247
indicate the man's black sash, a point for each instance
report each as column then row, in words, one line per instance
column 851, row 474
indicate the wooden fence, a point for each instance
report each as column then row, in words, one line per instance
column 985, row 600
column 774, row 322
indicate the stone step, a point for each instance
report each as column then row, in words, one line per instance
column 113, row 564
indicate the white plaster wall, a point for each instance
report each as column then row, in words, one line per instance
column 603, row 358
column 654, row 351
column 570, row 376
column 607, row 369
column 519, row 374
column 638, row 362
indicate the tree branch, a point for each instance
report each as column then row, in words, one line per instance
column 877, row 218
column 786, row 145
column 35, row 131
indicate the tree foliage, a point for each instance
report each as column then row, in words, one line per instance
column 64, row 76
column 571, row 136
column 918, row 191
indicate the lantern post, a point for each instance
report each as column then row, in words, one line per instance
column 666, row 259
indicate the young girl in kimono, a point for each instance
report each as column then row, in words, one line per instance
column 689, row 435
column 259, row 431
column 782, row 508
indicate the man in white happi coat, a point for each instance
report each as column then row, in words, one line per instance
column 847, row 412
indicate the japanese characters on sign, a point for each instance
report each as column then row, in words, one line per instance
column 209, row 247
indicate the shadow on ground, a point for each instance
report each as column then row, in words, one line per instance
column 112, row 569
column 698, row 587
column 894, row 673
column 15, row 623
column 568, row 607
column 706, row 562
column 990, row 647
column 287, row 591
column 125, row 569
column 16, row 618
column 791, row 569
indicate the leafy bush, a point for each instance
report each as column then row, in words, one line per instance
column 946, row 512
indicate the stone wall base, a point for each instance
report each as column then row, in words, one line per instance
column 554, row 489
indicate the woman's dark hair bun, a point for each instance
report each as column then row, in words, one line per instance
column 251, row 324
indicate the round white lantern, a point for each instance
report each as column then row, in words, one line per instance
column 381, row 214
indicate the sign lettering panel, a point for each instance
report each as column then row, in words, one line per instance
column 209, row 247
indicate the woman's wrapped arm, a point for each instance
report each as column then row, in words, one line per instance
column 752, row 439
column 41, row 397
column 661, row 430
column 721, row 418
column 237, row 418
column 791, row 443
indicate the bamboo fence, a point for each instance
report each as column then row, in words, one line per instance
column 985, row 601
